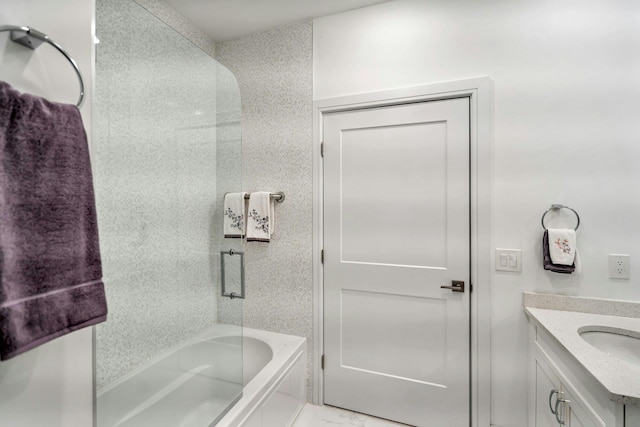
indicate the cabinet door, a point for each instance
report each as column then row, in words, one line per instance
column 578, row 412
column 632, row 416
column 547, row 391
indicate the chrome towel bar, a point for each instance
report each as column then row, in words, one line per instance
column 277, row 196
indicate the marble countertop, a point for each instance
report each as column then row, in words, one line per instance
column 619, row 377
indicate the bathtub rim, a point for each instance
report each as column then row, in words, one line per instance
column 286, row 351
column 292, row 349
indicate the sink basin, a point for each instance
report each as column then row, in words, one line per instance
column 619, row 343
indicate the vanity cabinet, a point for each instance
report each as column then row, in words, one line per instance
column 562, row 393
column 558, row 403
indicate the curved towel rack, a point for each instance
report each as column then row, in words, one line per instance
column 556, row 207
column 33, row 38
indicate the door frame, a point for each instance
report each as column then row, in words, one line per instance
column 480, row 92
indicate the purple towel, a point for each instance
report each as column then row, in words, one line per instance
column 548, row 264
column 50, row 270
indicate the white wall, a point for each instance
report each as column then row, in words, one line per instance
column 567, row 87
column 52, row 384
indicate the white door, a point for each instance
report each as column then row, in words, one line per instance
column 396, row 229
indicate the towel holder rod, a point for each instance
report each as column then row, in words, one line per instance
column 277, row 196
column 556, row 206
column 32, row 38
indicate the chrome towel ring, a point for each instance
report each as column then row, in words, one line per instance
column 556, row 207
column 33, row 38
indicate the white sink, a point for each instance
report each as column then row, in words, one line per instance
column 619, row 343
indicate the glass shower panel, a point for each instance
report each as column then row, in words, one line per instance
column 166, row 150
column 229, row 174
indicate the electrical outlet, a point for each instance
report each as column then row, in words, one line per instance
column 619, row 266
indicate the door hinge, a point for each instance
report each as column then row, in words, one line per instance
column 322, row 149
column 322, row 362
column 470, row 287
column 322, row 256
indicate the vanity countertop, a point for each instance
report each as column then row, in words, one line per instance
column 619, row 377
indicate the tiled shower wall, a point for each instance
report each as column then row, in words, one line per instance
column 274, row 72
column 161, row 10
column 155, row 169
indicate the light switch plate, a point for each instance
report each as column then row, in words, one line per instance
column 509, row 260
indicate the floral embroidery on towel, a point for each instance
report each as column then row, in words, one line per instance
column 261, row 223
column 563, row 245
column 237, row 221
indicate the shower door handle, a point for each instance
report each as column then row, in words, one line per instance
column 456, row 286
column 230, row 274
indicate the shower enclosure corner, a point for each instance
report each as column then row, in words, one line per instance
column 166, row 149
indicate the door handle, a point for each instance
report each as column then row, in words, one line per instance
column 456, row 286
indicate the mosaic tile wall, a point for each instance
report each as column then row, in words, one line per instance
column 155, row 169
column 274, row 71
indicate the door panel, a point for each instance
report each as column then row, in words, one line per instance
column 371, row 343
column 396, row 198
column 376, row 221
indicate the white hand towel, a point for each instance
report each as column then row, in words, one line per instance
column 261, row 220
column 234, row 215
column 562, row 246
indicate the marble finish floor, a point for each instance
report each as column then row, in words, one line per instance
column 323, row 416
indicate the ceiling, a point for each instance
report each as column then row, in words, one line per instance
column 228, row 19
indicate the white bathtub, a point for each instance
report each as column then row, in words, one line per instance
column 193, row 384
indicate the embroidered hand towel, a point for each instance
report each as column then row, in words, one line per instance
column 51, row 273
column 547, row 263
column 562, row 246
column 261, row 219
column 234, row 215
